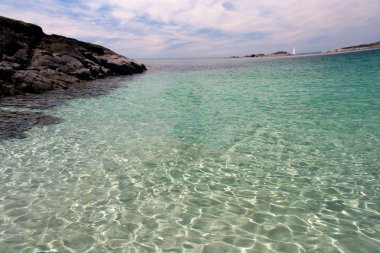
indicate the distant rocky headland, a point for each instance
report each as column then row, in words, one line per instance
column 374, row 45
column 34, row 62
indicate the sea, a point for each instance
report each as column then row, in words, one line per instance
column 204, row 155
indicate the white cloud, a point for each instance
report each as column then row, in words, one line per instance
column 185, row 28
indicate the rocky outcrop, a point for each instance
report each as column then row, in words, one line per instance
column 33, row 62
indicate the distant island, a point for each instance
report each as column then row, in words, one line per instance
column 260, row 55
column 33, row 62
column 275, row 54
column 375, row 45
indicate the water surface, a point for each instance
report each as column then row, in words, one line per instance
column 216, row 155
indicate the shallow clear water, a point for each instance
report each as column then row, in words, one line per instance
column 222, row 155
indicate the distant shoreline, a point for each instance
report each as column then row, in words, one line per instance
column 243, row 57
column 370, row 46
column 281, row 54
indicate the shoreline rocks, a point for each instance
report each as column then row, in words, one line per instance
column 33, row 62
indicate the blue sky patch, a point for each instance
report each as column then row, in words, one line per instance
column 211, row 32
column 228, row 6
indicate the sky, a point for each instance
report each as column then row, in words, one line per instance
column 204, row 28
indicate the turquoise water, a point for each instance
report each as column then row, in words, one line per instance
column 217, row 155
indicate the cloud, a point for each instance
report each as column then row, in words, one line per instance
column 187, row 28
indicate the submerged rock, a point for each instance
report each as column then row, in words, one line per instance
column 33, row 62
column 14, row 124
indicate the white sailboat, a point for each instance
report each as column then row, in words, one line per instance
column 294, row 51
